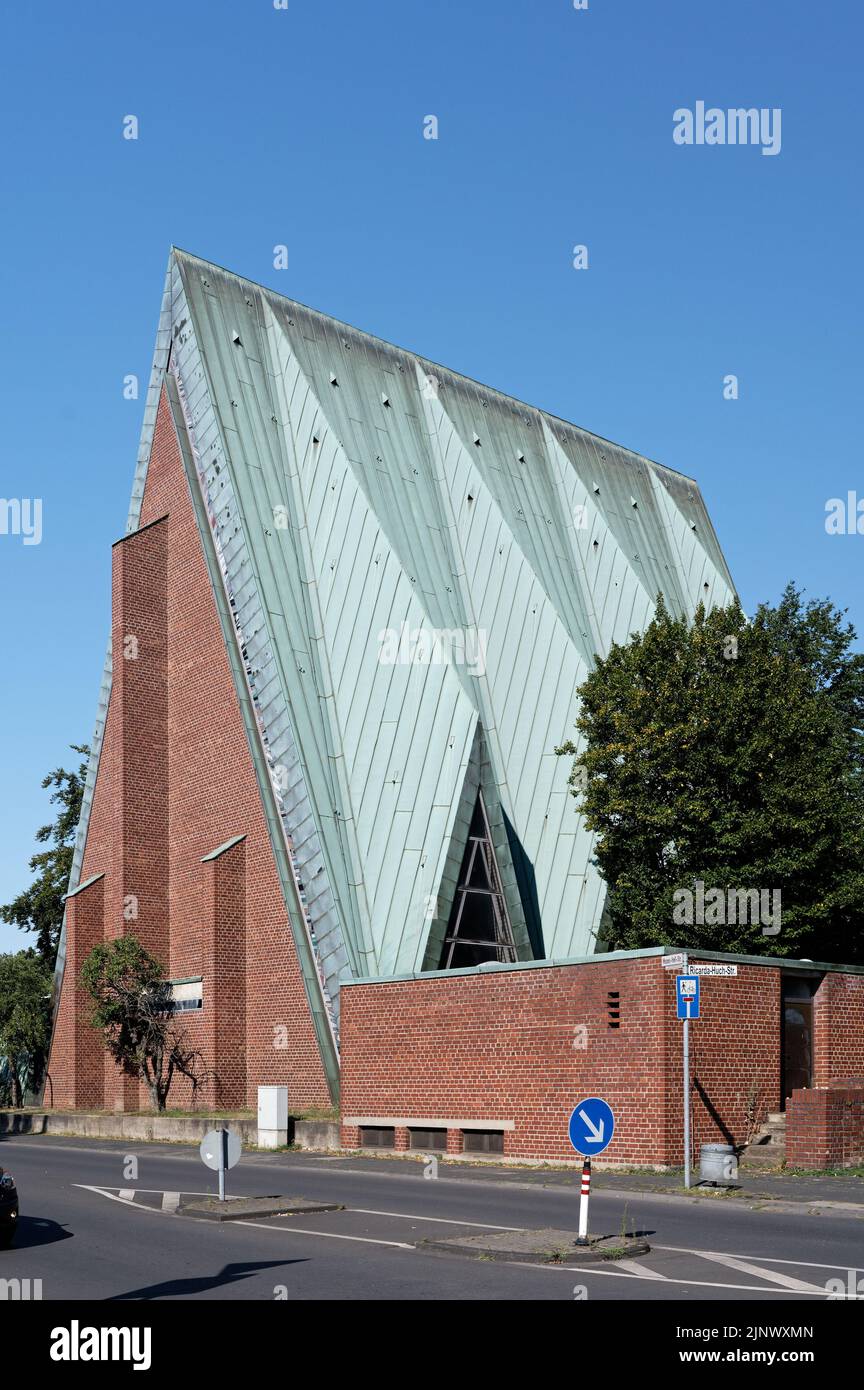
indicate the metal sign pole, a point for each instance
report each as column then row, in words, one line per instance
column 223, row 1162
column 582, row 1238
column 686, row 1086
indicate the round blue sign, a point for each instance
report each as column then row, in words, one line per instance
column 591, row 1126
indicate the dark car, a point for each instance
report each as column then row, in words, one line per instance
column 8, row 1208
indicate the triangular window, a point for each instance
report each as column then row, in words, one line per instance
column 479, row 928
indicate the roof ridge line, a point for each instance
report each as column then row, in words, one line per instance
column 411, row 352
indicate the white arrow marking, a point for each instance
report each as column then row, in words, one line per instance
column 595, row 1134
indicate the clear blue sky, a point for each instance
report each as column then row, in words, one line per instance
column 304, row 126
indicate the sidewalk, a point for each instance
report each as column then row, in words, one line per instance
column 802, row 1189
column 790, row 1187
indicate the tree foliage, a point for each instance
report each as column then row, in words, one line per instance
column 729, row 753
column 132, row 1008
column 25, row 1017
column 39, row 908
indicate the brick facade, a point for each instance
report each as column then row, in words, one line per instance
column 507, row 1048
column 176, row 781
column 522, row 1045
column 825, row 1127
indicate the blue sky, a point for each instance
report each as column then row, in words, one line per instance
column 304, row 126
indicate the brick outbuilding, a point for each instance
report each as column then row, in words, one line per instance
column 493, row 1059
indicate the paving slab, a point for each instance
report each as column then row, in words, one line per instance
column 546, row 1246
column 242, row 1208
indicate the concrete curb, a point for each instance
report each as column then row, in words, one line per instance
column 245, row 1208
column 545, row 1246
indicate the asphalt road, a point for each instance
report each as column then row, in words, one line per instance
column 95, row 1227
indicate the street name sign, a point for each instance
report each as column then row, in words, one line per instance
column 674, row 962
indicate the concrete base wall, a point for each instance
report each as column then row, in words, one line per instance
column 166, row 1129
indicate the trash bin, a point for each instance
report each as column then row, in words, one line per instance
column 718, row 1164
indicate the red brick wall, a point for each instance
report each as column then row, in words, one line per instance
column 504, row 1045
column 137, row 888
column 499, row 1046
column 735, row 1058
column 825, row 1128
column 224, row 967
column 175, row 781
column 79, row 1070
column 838, row 1028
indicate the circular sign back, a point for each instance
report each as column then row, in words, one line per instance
column 211, row 1149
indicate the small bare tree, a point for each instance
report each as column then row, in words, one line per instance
column 133, row 1009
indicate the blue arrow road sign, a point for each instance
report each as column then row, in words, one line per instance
column 687, row 995
column 591, row 1127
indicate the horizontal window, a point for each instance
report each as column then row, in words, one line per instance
column 428, row 1139
column 483, row 1141
column 377, row 1137
column 186, row 995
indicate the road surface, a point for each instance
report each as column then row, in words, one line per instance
column 96, row 1226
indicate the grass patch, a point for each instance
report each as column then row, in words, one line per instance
column 856, row 1171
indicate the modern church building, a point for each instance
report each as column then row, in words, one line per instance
column 355, row 599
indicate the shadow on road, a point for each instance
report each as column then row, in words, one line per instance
column 228, row 1275
column 38, row 1230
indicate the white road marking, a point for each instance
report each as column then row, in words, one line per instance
column 643, row 1272
column 688, row 1283
column 151, row 1191
column 126, row 1194
column 624, row 1269
column 325, row 1235
column 773, row 1276
column 768, row 1259
column 170, row 1201
column 112, row 1197
column 441, row 1220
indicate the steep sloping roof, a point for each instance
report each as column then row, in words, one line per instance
column 354, row 489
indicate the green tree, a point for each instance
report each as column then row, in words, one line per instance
column 39, row 908
column 25, row 1016
column 729, row 754
column 132, row 1008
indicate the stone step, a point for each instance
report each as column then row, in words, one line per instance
column 767, row 1149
